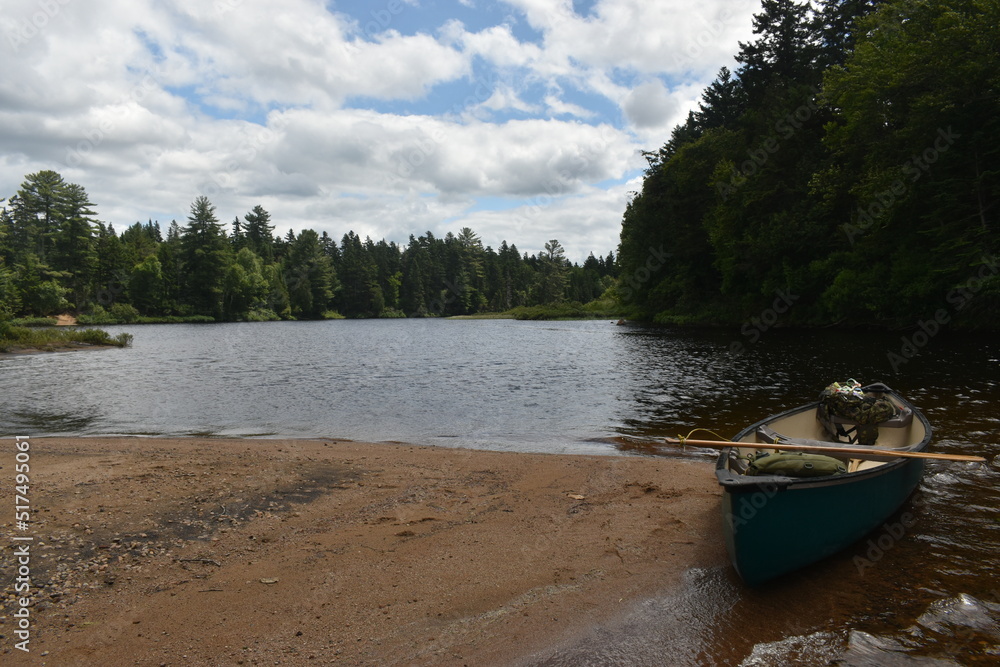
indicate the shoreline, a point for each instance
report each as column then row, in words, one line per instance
column 291, row 551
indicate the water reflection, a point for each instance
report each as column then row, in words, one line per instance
column 591, row 387
column 48, row 422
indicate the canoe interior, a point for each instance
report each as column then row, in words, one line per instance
column 803, row 424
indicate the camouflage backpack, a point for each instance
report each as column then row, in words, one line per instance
column 847, row 401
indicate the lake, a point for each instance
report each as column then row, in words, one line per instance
column 932, row 596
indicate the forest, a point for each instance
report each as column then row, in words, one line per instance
column 847, row 171
column 55, row 257
column 849, row 168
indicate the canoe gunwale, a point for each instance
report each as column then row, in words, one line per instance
column 733, row 482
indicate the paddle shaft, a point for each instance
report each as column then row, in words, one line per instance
column 856, row 451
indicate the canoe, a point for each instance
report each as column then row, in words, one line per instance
column 777, row 523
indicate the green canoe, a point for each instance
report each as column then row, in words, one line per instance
column 781, row 519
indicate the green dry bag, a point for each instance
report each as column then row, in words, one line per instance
column 795, row 464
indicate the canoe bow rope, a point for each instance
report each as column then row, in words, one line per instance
column 683, row 438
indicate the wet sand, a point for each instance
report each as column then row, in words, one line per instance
column 209, row 551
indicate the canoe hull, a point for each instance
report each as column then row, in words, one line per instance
column 771, row 530
column 777, row 524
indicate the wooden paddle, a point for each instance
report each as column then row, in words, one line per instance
column 857, row 452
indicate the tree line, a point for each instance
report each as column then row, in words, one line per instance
column 852, row 161
column 56, row 256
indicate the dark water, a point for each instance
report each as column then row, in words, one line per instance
column 923, row 593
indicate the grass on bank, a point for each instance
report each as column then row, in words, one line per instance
column 605, row 308
column 34, row 322
column 13, row 337
column 123, row 313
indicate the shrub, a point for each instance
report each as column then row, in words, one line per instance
column 124, row 313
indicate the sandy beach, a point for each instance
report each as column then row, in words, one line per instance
column 194, row 551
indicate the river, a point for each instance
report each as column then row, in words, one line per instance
column 928, row 594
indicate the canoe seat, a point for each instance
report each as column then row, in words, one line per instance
column 902, row 419
column 845, row 429
column 766, row 434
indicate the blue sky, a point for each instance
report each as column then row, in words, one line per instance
column 522, row 119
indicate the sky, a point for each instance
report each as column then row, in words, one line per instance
column 522, row 119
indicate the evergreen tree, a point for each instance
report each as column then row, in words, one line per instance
column 784, row 52
column 205, row 256
column 169, row 255
column 360, row 294
column 309, row 276
column 74, row 248
column 722, row 103
column 39, row 288
column 38, row 211
column 836, row 28
column 552, row 275
column 140, row 241
column 237, row 239
column 112, row 270
column 413, row 290
column 259, row 233
column 146, row 286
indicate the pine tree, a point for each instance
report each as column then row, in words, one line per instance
column 146, row 286
column 360, row 294
column 205, row 255
column 38, row 211
column 74, row 249
column 553, row 273
column 259, row 233
column 784, row 52
column 112, row 269
column 309, row 276
column 722, row 103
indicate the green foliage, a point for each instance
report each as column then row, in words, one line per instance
column 99, row 337
column 262, row 315
column 19, row 337
column 569, row 310
column 309, row 276
column 205, row 256
column 124, row 313
column 202, row 273
column 34, row 322
column 147, row 286
column 851, row 162
column 245, row 288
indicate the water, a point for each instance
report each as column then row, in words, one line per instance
column 923, row 593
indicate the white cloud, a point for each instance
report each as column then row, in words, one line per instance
column 650, row 105
column 558, row 107
column 334, row 122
